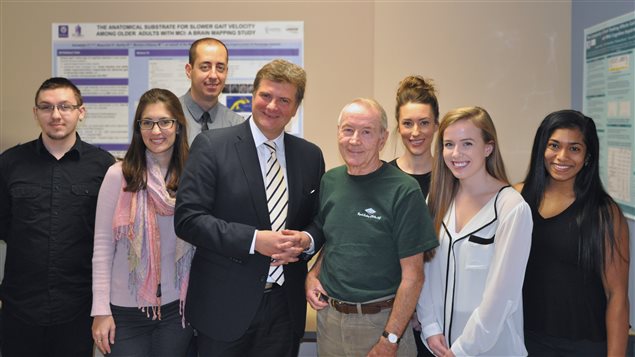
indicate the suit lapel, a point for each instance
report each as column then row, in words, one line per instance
column 248, row 157
column 294, row 178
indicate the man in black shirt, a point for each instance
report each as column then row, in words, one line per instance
column 48, row 195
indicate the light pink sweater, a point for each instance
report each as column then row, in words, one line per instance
column 110, row 258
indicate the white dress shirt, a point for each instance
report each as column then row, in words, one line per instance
column 263, row 155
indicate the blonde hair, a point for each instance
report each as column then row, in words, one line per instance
column 283, row 71
column 444, row 184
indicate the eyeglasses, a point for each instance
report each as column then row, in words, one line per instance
column 63, row 108
column 164, row 124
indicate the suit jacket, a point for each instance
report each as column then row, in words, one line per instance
column 221, row 201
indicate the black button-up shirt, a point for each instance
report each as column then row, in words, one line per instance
column 47, row 219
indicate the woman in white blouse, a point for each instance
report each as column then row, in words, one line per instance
column 471, row 302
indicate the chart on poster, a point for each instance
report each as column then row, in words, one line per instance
column 609, row 98
column 113, row 64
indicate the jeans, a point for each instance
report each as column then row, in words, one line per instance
column 137, row 334
column 72, row 338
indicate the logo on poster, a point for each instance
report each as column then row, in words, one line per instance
column 239, row 103
column 62, row 31
column 78, row 31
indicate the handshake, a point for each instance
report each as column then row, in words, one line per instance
column 283, row 246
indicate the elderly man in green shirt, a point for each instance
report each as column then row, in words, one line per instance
column 366, row 283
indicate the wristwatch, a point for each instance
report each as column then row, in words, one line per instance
column 392, row 338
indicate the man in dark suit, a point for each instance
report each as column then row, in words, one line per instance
column 246, row 193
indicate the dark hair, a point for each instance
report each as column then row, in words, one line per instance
column 282, row 71
column 134, row 164
column 594, row 207
column 415, row 89
column 205, row 40
column 59, row 82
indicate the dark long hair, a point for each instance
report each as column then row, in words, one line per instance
column 416, row 89
column 594, row 207
column 134, row 164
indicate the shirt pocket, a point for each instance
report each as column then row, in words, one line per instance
column 477, row 259
column 84, row 198
column 480, row 248
column 26, row 201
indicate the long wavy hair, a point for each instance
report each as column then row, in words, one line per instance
column 134, row 164
column 444, row 185
column 594, row 208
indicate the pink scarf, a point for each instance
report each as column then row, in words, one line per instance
column 136, row 219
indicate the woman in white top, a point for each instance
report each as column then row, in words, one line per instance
column 471, row 302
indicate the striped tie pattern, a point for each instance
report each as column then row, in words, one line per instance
column 277, row 200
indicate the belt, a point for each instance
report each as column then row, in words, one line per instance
column 271, row 286
column 366, row 309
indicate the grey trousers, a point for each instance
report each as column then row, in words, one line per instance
column 353, row 335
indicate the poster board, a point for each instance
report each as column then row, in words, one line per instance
column 609, row 97
column 113, row 64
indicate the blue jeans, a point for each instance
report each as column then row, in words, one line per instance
column 137, row 335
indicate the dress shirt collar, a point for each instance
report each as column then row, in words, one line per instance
column 74, row 152
column 260, row 138
column 195, row 110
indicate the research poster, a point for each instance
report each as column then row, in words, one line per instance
column 113, row 64
column 609, row 81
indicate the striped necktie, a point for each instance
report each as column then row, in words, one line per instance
column 277, row 199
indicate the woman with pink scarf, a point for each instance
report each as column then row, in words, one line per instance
column 140, row 267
